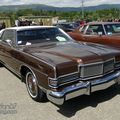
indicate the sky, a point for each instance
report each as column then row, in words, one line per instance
column 60, row 3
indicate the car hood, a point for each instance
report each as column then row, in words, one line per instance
column 63, row 52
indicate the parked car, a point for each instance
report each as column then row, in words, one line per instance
column 99, row 32
column 53, row 65
column 68, row 26
column 2, row 25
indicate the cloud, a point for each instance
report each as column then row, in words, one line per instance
column 60, row 3
column 96, row 2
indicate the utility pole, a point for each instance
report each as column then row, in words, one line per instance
column 82, row 9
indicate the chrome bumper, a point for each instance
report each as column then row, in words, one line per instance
column 83, row 88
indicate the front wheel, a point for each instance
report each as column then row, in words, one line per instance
column 32, row 87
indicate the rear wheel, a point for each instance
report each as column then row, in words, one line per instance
column 32, row 87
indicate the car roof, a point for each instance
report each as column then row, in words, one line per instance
column 19, row 28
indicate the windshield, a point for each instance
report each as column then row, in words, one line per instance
column 69, row 25
column 112, row 28
column 33, row 36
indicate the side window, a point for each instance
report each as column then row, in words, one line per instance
column 8, row 34
column 109, row 29
column 95, row 30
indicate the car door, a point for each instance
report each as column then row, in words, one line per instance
column 94, row 33
column 7, row 49
column 112, row 41
column 112, row 34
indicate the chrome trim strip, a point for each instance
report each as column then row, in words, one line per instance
column 67, row 75
column 98, row 62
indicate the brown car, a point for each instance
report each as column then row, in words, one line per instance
column 99, row 32
column 53, row 65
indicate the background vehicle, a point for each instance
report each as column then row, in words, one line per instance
column 68, row 26
column 99, row 32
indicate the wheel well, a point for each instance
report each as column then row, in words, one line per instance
column 23, row 72
column 1, row 64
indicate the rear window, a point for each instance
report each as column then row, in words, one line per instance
column 113, row 28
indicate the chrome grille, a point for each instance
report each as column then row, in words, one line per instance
column 96, row 69
column 108, row 66
column 91, row 70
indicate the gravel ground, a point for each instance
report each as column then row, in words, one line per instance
column 15, row 103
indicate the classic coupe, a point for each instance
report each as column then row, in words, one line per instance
column 53, row 65
column 99, row 32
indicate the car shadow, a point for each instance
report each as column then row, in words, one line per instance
column 70, row 107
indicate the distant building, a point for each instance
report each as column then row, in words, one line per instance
column 5, row 22
column 38, row 20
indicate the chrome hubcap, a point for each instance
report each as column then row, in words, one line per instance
column 31, row 84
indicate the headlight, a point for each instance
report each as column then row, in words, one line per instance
column 65, row 79
column 117, row 65
column 53, row 83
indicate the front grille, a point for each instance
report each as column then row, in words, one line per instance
column 91, row 70
column 108, row 66
column 96, row 69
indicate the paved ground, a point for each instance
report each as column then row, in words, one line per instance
column 15, row 104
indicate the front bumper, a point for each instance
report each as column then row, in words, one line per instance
column 83, row 88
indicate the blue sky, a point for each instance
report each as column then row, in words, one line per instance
column 60, row 3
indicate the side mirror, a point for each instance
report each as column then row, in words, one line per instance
column 109, row 33
column 100, row 33
column 9, row 42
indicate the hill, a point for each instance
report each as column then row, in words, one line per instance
column 51, row 8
